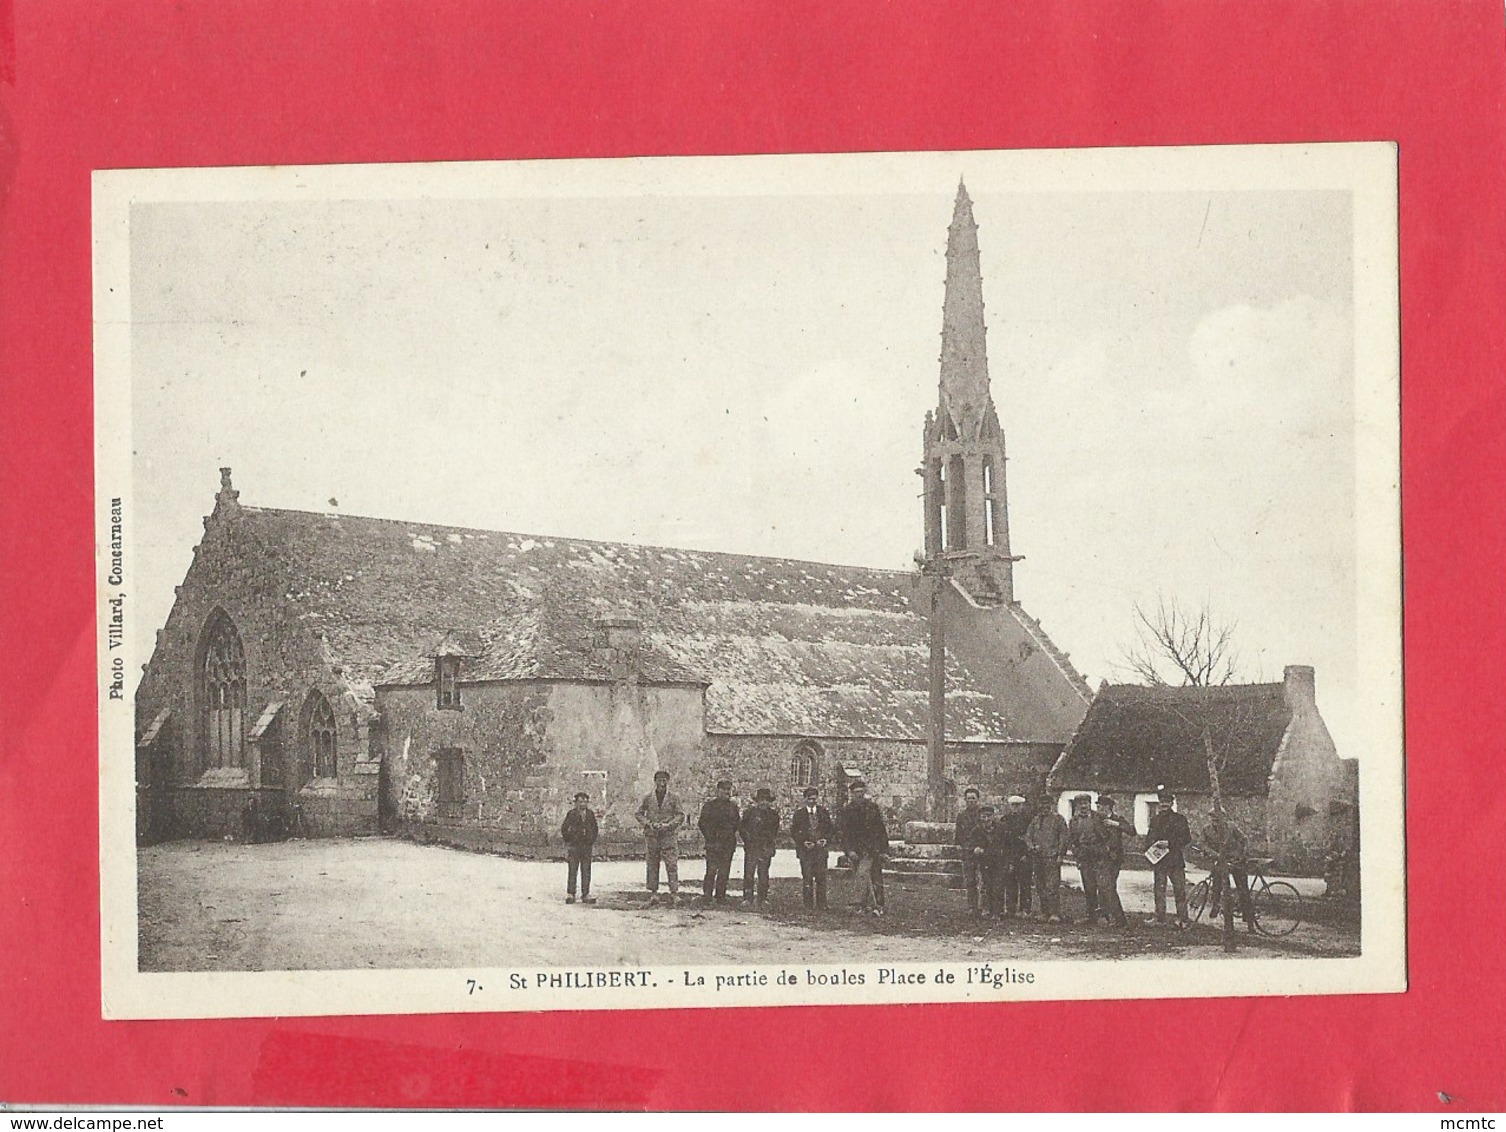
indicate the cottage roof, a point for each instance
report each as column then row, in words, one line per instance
column 784, row 647
column 1136, row 738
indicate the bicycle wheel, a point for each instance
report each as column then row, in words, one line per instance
column 1278, row 908
column 1197, row 900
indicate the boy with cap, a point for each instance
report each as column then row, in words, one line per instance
column 813, row 832
column 579, row 835
column 993, row 856
column 718, row 825
column 1016, row 821
column 661, row 816
column 1169, row 836
column 969, row 837
column 760, row 828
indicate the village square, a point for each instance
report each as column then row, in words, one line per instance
column 377, row 743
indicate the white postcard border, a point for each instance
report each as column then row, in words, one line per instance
column 1368, row 170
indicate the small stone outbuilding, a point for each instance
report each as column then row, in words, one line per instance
column 1279, row 773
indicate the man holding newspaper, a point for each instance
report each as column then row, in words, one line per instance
column 1169, row 835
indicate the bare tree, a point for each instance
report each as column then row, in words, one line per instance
column 1177, row 645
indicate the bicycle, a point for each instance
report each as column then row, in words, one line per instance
column 1277, row 905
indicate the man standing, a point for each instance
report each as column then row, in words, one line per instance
column 760, row 829
column 813, row 833
column 1169, row 836
column 1230, row 849
column 718, row 825
column 969, row 837
column 1115, row 829
column 1017, row 860
column 1045, row 842
column 661, row 816
column 865, row 838
column 1085, row 838
column 579, row 835
column 993, row 862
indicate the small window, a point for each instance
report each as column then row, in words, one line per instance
column 447, row 677
column 803, row 765
column 988, row 501
column 449, row 767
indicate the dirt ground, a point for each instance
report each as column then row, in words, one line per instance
column 340, row 904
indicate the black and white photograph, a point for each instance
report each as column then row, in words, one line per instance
column 741, row 581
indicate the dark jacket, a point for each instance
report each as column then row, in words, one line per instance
column 863, row 829
column 1170, row 827
column 1088, row 839
column 969, row 833
column 805, row 827
column 996, row 844
column 1115, row 830
column 1015, row 827
column 719, row 821
column 579, row 830
column 759, row 827
column 1227, row 842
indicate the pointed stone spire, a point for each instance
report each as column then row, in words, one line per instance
column 967, row 505
column 964, row 355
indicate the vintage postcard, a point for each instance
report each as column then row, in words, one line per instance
column 739, row 581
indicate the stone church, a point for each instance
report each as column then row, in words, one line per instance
column 331, row 674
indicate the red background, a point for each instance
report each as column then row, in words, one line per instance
column 88, row 84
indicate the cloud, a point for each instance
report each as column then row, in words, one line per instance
column 1293, row 356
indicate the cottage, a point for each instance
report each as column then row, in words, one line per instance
column 1279, row 774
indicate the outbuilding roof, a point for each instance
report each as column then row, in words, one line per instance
column 783, row 646
column 1135, row 738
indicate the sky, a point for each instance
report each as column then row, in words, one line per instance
column 1174, row 371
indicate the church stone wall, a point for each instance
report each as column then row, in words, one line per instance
column 235, row 572
column 894, row 769
column 525, row 749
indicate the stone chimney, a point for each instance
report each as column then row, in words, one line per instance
column 1300, row 685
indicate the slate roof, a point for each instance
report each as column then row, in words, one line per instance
column 783, row 647
column 1138, row 738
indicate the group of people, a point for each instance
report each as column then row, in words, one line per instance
column 1010, row 860
column 1005, row 856
column 863, row 837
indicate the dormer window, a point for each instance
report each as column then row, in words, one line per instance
column 447, row 679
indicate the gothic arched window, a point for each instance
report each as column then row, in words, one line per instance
column 320, row 733
column 222, row 693
column 803, row 764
